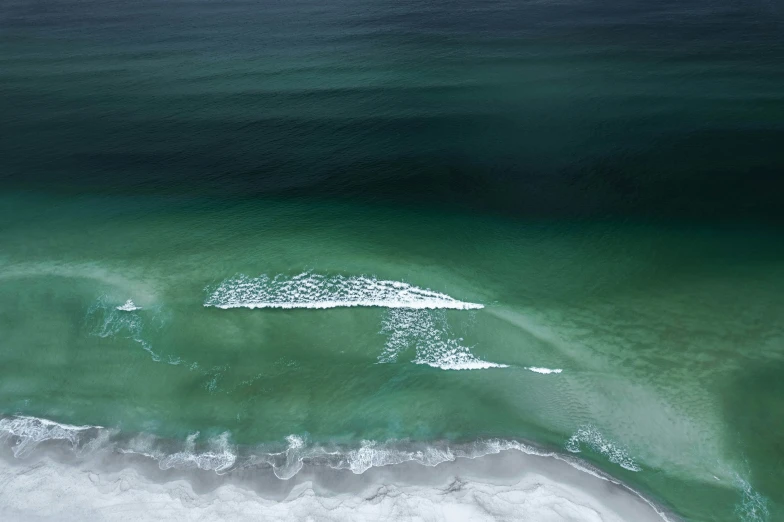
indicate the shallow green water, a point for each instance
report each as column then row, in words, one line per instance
column 668, row 338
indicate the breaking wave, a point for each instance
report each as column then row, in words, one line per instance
column 370, row 454
column 427, row 332
column 129, row 306
column 592, row 438
column 308, row 290
column 753, row 507
column 219, row 455
column 545, row 371
column 29, row 432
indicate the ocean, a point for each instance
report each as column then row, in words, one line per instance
column 415, row 260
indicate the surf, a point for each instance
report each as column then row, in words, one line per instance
column 429, row 335
column 317, row 291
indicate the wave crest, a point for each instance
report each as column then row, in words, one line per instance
column 29, row 432
column 544, row 371
column 593, row 438
column 309, row 290
column 428, row 333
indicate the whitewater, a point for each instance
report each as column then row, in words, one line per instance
column 308, row 290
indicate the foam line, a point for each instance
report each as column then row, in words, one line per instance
column 591, row 437
column 545, row 371
column 428, row 333
column 129, row 306
column 308, row 290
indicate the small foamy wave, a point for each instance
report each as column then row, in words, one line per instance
column 29, row 432
column 591, row 437
column 309, row 290
column 129, row 306
column 217, row 455
column 220, row 455
column 218, row 458
column 459, row 361
column 125, row 321
column 428, row 333
column 545, row 371
column 752, row 507
column 371, row 454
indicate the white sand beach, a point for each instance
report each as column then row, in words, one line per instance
column 510, row 485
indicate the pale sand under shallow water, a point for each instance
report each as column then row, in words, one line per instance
column 508, row 486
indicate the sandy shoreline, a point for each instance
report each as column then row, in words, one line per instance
column 510, row 485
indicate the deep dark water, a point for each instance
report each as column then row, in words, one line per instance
column 590, row 108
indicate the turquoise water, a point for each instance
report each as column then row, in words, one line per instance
column 252, row 228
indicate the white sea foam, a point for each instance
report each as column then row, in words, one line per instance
column 428, row 333
column 121, row 321
column 545, row 371
column 372, row 454
column 129, row 306
column 752, row 507
column 28, row 432
column 591, row 437
column 219, row 455
column 219, row 458
column 287, row 463
column 143, row 444
column 293, row 456
column 459, row 361
column 309, row 290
